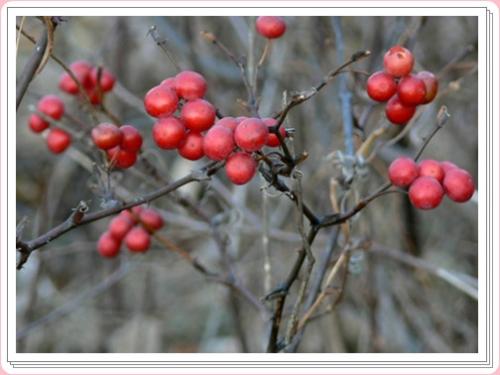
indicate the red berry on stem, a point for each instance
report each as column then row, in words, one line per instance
column 240, row 168
column 402, row 172
column 191, row 147
column 151, row 219
column 138, row 239
column 431, row 168
column 131, row 138
column 411, row 90
column 51, row 105
column 107, row 79
column 448, row 165
column 397, row 112
column 426, row 193
column 227, row 122
column 431, row 85
column 251, row 134
column 190, row 85
column 121, row 158
column 381, row 86
column 127, row 214
column 198, row 115
column 398, row 61
column 58, row 140
column 458, row 185
column 119, row 227
column 106, row 136
column 272, row 139
column 160, row 101
column 37, row 123
column 218, row 143
column 270, row 27
column 108, row 246
column 81, row 70
column 168, row 133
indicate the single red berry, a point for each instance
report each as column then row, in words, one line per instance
column 240, row 168
column 198, row 115
column 431, row 85
column 431, row 168
column 37, row 123
column 58, row 140
column 398, row 61
column 131, row 138
column 138, row 240
column 121, row 158
column 168, row 132
column 108, row 246
column 80, row 67
column 136, row 210
column 106, row 136
column 227, row 122
column 169, row 82
column 51, row 105
column 397, row 112
column 119, row 227
column 270, row 27
column 251, row 134
column 402, row 172
column 81, row 71
column 458, row 185
column 127, row 214
column 190, row 85
column 107, row 79
column 411, row 90
column 95, row 97
column 448, row 165
column 426, row 193
column 191, row 147
column 381, row 86
column 160, row 101
column 218, row 143
column 272, row 139
column 151, row 220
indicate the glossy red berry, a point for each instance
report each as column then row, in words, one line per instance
column 119, row 227
column 108, row 246
column 138, row 240
column 227, row 122
column 107, row 79
column 398, row 61
column 431, row 85
column 121, row 158
column 411, row 90
column 397, row 112
column 198, row 115
column 381, row 86
column 168, row 133
column 448, row 165
column 160, row 101
column 191, row 147
column 458, row 185
column 81, row 71
column 270, row 27
column 106, row 136
column 241, row 118
column 169, row 83
column 272, row 139
column 58, row 140
column 240, row 168
column 218, row 143
column 402, row 172
column 131, row 138
column 251, row 134
column 431, row 168
column 151, row 219
column 426, row 193
column 190, row 85
column 51, row 105
column 37, row 124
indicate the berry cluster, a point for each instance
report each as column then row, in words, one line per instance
column 58, row 140
column 402, row 90
column 429, row 180
column 134, row 227
column 88, row 76
column 121, row 144
column 270, row 27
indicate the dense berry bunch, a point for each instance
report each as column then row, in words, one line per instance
column 134, row 227
column 430, row 180
column 402, row 90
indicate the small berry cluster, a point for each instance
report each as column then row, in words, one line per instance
column 429, row 180
column 88, row 76
column 134, row 227
column 58, row 140
column 270, row 27
column 402, row 90
column 122, row 144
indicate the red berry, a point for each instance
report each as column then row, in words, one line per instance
column 448, row 165
column 168, row 133
column 227, row 122
column 431, row 85
column 106, row 136
column 58, row 140
column 169, row 82
column 381, row 86
column 198, row 115
column 218, row 143
column 241, row 118
column 51, row 105
column 108, row 246
column 270, row 27
column 272, row 139
column 397, row 112
column 402, row 172
column 190, row 85
column 138, row 240
column 431, row 168
column 136, row 210
column 37, row 123
column 121, row 158
column 95, row 97
column 131, row 138
column 107, row 79
column 160, row 101
column 81, row 70
column 458, row 185
column 426, row 193
column 251, row 134
column 119, row 227
column 240, row 168
column 191, row 147
column 151, row 219
column 398, row 61
column 80, row 67
column 411, row 90
column 127, row 214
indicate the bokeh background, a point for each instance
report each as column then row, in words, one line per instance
column 71, row 300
